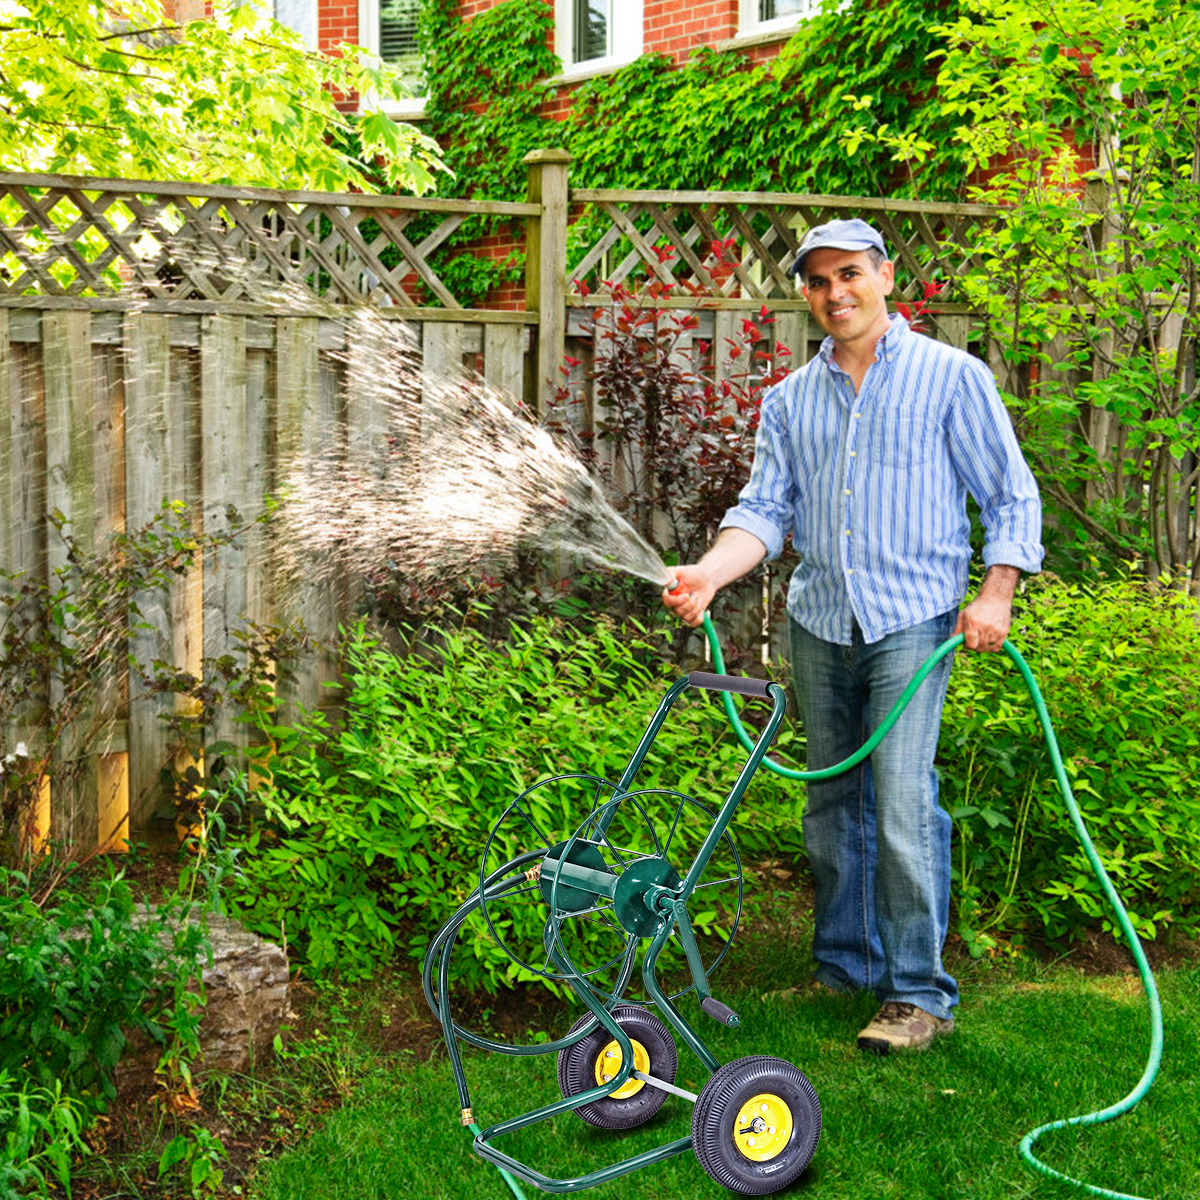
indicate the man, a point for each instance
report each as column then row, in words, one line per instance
column 865, row 456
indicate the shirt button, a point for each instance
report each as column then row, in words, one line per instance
column 853, row 453
column 857, row 415
column 847, row 533
column 849, row 570
column 845, row 491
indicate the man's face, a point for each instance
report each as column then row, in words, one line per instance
column 846, row 293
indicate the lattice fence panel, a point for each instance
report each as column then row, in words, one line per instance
column 181, row 246
column 737, row 247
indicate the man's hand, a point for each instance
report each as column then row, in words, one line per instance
column 694, row 593
column 733, row 554
column 985, row 622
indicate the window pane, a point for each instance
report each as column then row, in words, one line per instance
column 592, row 19
column 398, row 29
column 398, row 21
column 300, row 15
column 768, row 10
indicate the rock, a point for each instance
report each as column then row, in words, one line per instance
column 246, row 996
column 246, row 1001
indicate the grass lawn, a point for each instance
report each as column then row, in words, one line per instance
column 1033, row 1044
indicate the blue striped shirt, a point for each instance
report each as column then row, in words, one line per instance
column 873, row 487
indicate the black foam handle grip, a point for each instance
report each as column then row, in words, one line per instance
column 743, row 685
column 717, row 1010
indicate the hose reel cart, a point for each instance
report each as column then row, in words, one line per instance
column 619, row 889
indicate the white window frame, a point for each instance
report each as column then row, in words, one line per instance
column 750, row 26
column 368, row 39
column 626, row 38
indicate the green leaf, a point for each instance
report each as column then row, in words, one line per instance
column 175, row 1151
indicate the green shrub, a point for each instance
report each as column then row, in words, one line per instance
column 372, row 830
column 81, row 970
column 1117, row 662
column 379, row 824
column 41, row 1127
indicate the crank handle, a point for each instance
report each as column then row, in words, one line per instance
column 684, row 926
column 720, row 1012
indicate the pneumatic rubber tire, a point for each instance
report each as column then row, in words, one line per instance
column 719, row 1107
column 577, row 1068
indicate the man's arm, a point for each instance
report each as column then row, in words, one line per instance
column 733, row 554
column 985, row 622
column 989, row 460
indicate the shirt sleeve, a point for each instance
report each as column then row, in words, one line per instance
column 988, row 459
column 765, row 505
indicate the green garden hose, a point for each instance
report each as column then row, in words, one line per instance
column 1064, row 787
column 509, row 1177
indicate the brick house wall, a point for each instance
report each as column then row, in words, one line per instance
column 674, row 28
column 671, row 27
column 337, row 22
column 186, row 10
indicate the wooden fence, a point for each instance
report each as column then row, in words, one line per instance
column 163, row 341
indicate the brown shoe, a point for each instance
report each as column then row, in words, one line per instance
column 898, row 1026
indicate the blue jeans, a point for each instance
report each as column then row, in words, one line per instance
column 877, row 840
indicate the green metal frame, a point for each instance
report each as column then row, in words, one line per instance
column 665, row 902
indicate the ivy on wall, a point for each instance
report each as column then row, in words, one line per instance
column 717, row 122
column 486, row 82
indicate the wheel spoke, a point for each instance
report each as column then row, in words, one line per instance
column 529, row 821
column 636, row 855
column 674, row 826
column 506, row 895
column 583, row 912
column 616, row 852
column 599, row 920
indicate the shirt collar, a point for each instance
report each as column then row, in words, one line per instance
column 885, row 349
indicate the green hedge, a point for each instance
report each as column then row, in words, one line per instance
column 378, row 826
column 1117, row 661
column 371, row 832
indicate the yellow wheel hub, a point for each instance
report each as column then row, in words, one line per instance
column 763, row 1127
column 608, row 1063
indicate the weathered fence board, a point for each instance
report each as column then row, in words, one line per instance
column 441, row 352
column 504, row 359
column 790, row 330
column 155, row 446
column 310, row 428
column 23, row 515
column 226, row 486
column 112, row 684
column 10, row 389
column 70, row 493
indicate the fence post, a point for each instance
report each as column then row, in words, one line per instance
column 546, row 261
